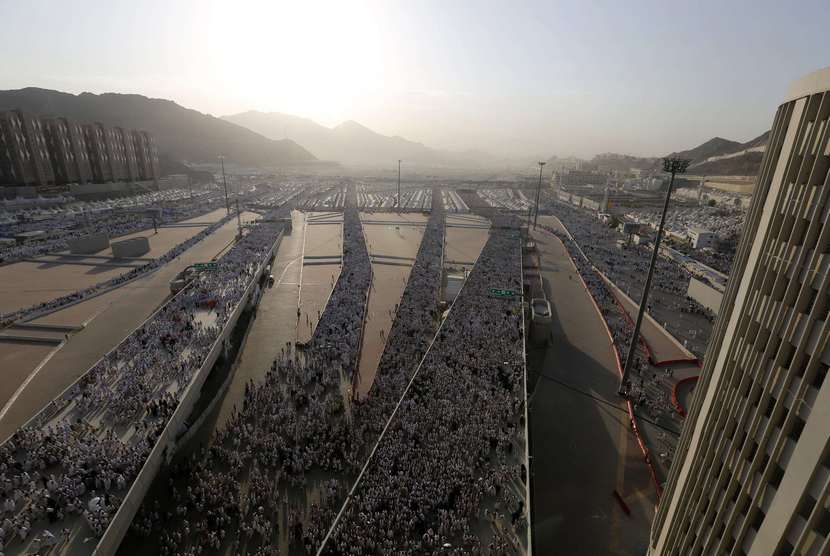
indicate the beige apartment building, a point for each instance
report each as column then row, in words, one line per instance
column 24, row 155
column 43, row 151
column 752, row 469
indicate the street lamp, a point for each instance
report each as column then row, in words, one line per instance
column 674, row 166
column 538, row 190
column 398, row 201
column 225, row 181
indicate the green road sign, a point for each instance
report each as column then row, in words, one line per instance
column 205, row 266
column 503, row 293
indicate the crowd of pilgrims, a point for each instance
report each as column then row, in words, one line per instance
column 648, row 386
column 340, row 326
column 84, row 293
column 61, row 229
column 448, row 475
column 81, row 453
column 249, row 489
column 628, row 269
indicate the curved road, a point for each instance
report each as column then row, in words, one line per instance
column 583, row 448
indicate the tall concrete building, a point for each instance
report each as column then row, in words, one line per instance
column 752, row 469
column 147, row 155
column 24, row 155
column 99, row 148
column 42, row 151
column 125, row 139
column 67, row 150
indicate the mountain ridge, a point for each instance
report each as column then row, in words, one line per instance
column 351, row 142
column 715, row 157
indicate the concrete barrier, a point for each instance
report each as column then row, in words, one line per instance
column 705, row 294
column 166, row 444
column 133, row 247
column 89, row 244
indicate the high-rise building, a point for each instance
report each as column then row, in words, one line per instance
column 44, row 151
column 97, row 144
column 752, row 469
column 67, row 150
column 147, row 155
column 116, row 153
column 24, row 158
column 125, row 140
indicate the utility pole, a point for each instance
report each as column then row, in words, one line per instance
column 238, row 216
column 398, row 202
column 673, row 166
column 538, row 191
column 225, row 182
column 190, row 185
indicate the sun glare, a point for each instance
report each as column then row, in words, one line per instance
column 269, row 58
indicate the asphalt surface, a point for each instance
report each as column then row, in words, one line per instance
column 31, row 384
column 583, row 449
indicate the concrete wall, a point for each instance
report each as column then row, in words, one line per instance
column 93, row 188
column 705, row 294
column 87, row 245
column 133, row 247
column 166, row 445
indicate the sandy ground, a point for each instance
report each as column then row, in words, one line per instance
column 388, row 283
column 321, row 240
column 462, row 245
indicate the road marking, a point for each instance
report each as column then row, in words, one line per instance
column 29, row 379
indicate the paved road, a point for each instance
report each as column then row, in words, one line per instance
column 24, row 392
column 582, row 446
column 28, row 283
column 275, row 323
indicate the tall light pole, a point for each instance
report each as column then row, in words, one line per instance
column 538, row 191
column 398, row 201
column 673, row 166
column 225, row 182
column 238, row 216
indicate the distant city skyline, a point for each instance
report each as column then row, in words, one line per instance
column 524, row 80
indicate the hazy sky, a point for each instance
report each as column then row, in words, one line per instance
column 512, row 77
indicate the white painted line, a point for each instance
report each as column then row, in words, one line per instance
column 29, row 379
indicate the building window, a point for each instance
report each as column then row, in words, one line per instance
column 821, row 373
column 798, row 425
column 776, row 476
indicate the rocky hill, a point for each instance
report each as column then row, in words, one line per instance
column 715, row 157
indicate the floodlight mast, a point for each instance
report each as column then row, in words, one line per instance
column 225, row 182
column 674, row 166
column 538, row 190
